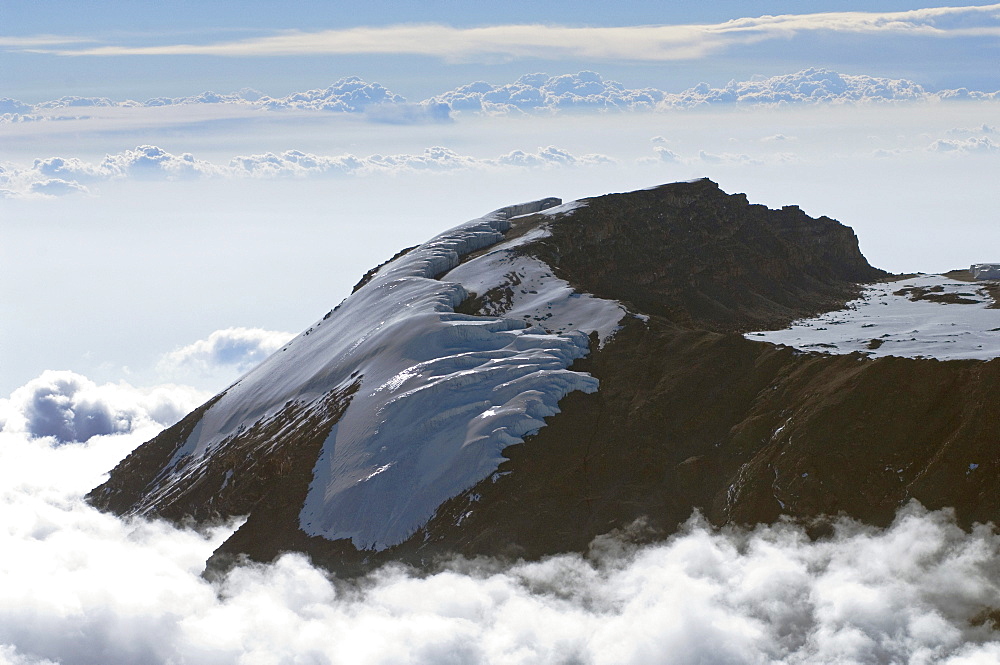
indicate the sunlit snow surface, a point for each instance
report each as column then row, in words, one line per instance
column 442, row 393
column 537, row 296
column 887, row 321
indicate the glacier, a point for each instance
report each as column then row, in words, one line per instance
column 440, row 393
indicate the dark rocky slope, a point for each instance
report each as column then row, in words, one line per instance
column 689, row 413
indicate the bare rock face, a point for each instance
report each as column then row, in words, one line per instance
column 688, row 414
column 707, row 260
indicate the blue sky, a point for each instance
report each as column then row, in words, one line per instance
column 86, row 17
column 952, row 55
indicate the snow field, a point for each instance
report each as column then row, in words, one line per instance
column 888, row 320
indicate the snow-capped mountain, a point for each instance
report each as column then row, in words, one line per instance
column 550, row 372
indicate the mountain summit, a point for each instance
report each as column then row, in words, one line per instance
column 529, row 380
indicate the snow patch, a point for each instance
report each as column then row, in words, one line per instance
column 563, row 209
column 924, row 317
column 532, row 293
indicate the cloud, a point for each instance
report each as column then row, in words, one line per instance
column 643, row 43
column 78, row 587
column 71, row 408
column 883, row 153
column 809, row 86
column 536, row 93
column 243, row 96
column 551, row 156
column 350, row 94
column 57, row 176
column 728, row 158
column 155, row 163
column 74, row 101
column 540, row 92
column 57, row 187
column 143, row 162
column 981, row 145
column 964, row 94
column 665, row 154
column 295, row 163
column 8, row 105
column 778, row 138
column 981, row 129
column 42, row 40
column 231, row 348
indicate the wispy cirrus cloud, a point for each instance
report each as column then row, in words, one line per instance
column 645, row 42
column 33, row 41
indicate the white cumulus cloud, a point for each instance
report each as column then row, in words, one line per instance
column 539, row 93
column 975, row 145
column 236, row 348
column 347, row 95
column 551, row 156
column 808, row 86
column 70, row 407
column 350, row 94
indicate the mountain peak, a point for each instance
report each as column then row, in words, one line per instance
column 528, row 380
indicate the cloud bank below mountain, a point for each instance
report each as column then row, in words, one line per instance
column 78, row 586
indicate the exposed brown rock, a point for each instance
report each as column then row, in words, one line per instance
column 262, row 473
column 706, row 259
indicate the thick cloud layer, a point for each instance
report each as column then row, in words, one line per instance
column 809, row 86
column 543, row 93
column 79, row 587
column 236, row 348
column 69, row 407
column 588, row 90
